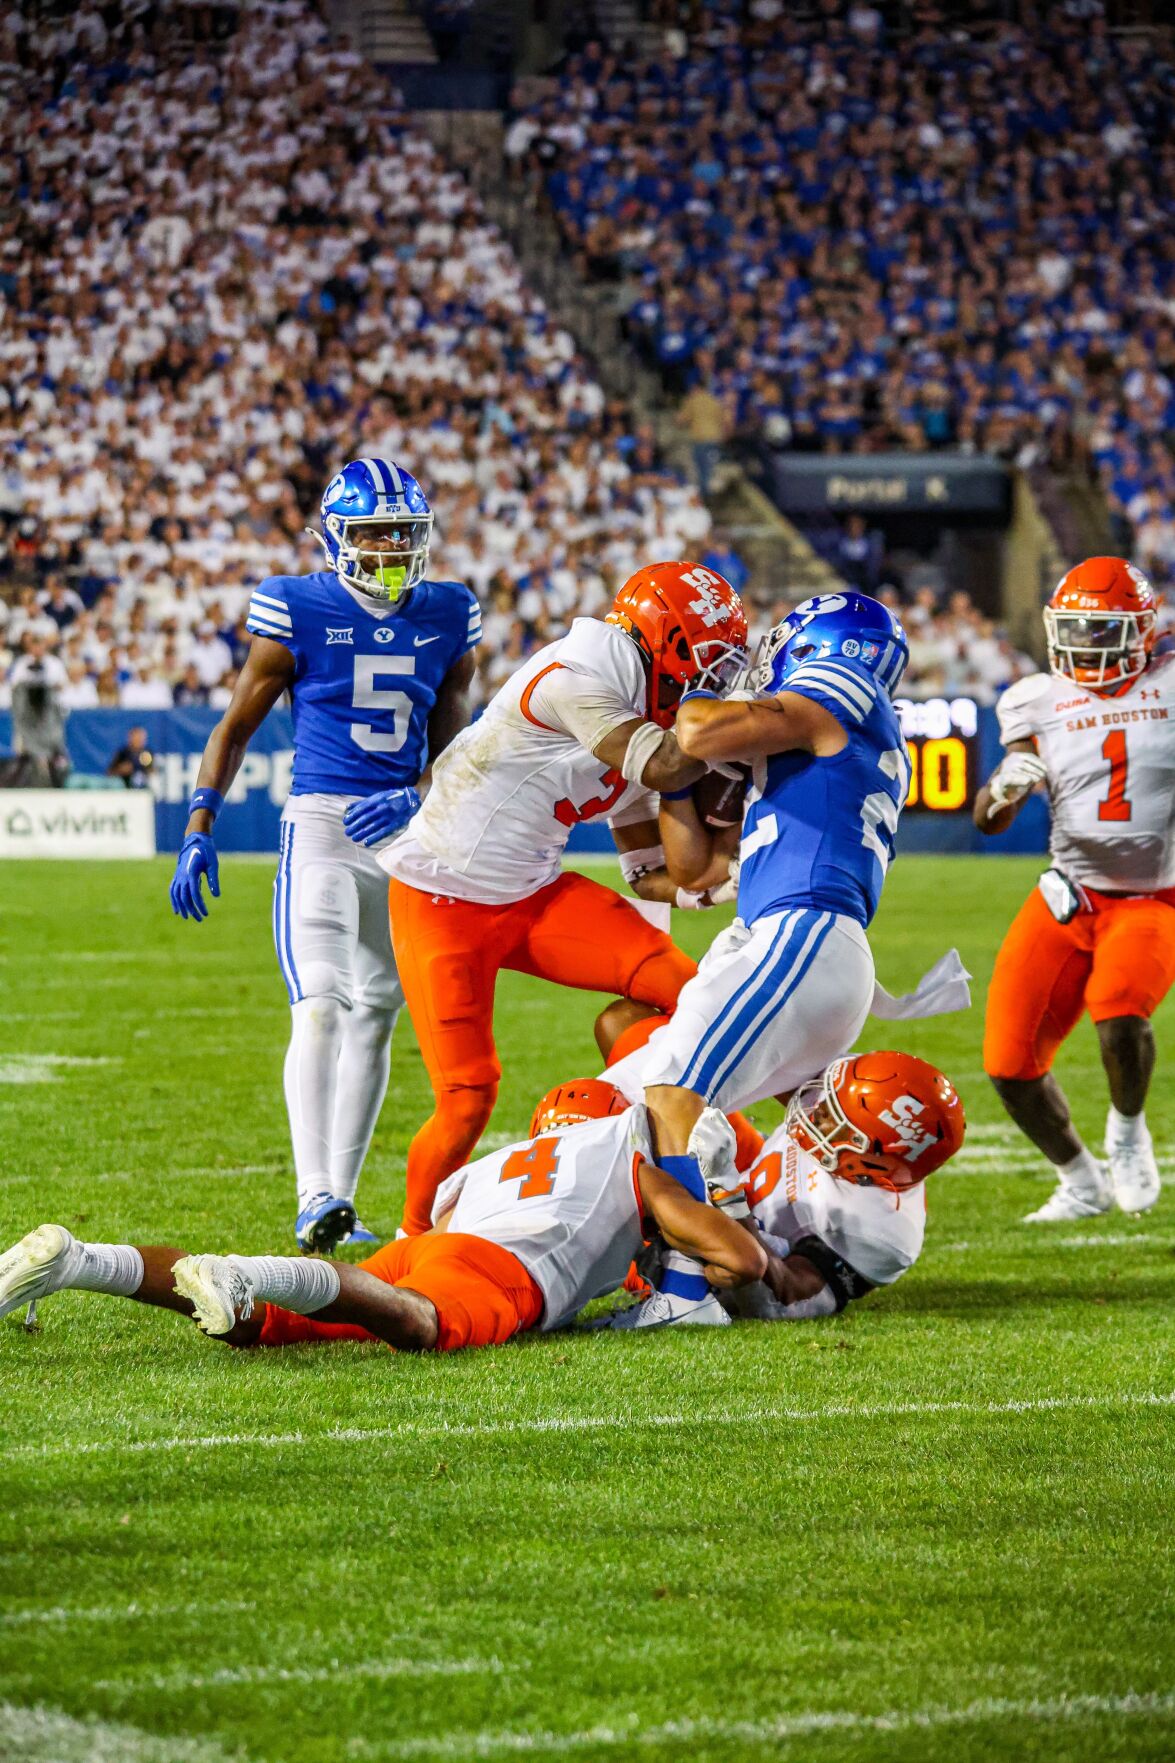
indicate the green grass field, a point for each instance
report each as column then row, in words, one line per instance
column 937, row 1526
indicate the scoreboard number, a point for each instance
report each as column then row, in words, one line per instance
column 942, row 736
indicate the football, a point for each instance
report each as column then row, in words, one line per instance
column 718, row 797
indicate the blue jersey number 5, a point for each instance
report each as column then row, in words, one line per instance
column 368, row 696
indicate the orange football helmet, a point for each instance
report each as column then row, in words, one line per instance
column 689, row 626
column 882, row 1120
column 584, row 1098
column 1101, row 623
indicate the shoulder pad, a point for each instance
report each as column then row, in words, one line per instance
column 1028, row 690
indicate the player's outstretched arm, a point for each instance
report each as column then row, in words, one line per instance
column 730, row 1255
column 1009, row 787
column 267, row 673
column 718, row 729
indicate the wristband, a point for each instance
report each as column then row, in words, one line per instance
column 697, row 692
column 211, row 801
column 676, row 795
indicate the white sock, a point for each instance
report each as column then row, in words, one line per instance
column 1082, row 1172
column 364, row 1061
column 296, row 1282
column 115, row 1268
column 1124, row 1130
column 311, row 1077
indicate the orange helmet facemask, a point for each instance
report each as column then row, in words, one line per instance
column 690, row 628
column 1100, row 624
column 584, row 1098
column 882, row 1120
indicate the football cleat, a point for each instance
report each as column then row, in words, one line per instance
column 1066, row 1203
column 218, row 1291
column 361, row 1234
column 663, row 1310
column 324, row 1222
column 1134, row 1173
column 35, row 1266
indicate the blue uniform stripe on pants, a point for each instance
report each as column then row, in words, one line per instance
column 706, row 1045
column 773, row 998
column 281, row 913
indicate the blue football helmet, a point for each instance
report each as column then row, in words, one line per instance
column 853, row 626
column 376, row 493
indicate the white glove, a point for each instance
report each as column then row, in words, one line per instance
column 727, row 890
column 687, row 902
column 1013, row 779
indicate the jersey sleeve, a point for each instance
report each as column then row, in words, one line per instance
column 643, row 806
column 1016, row 709
column 845, row 693
column 473, row 621
column 271, row 612
column 581, row 705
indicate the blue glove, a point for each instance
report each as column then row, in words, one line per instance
column 197, row 857
column 378, row 817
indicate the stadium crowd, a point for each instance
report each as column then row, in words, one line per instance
column 226, row 265
column 961, row 238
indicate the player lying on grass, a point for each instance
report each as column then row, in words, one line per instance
column 523, row 1240
column 836, row 1190
column 526, row 1237
column 1098, row 933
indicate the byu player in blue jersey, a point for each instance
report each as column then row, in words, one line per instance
column 787, row 990
column 378, row 662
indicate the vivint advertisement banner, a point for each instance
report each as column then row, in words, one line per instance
column 77, row 823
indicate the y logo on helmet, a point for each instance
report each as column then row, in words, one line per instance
column 709, row 607
column 819, row 605
column 902, row 1117
column 333, row 488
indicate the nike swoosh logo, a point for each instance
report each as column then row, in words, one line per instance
column 419, row 642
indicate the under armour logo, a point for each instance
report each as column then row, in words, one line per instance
column 346, row 635
column 1149, row 692
column 385, row 634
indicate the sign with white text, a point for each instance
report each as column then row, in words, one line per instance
column 77, row 823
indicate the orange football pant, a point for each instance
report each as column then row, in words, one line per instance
column 449, row 953
column 1116, row 960
column 749, row 1140
column 482, row 1293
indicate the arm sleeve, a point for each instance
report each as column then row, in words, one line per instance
column 837, row 688
column 270, row 614
column 580, row 705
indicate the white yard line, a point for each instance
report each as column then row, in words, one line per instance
column 631, row 1735
column 62, row 1613
column 43, row 1735
column 338, row 1671
column 407, row 1430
